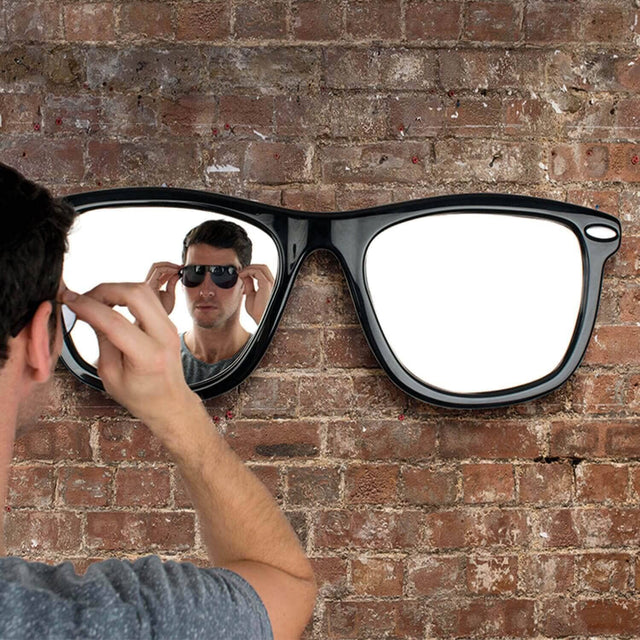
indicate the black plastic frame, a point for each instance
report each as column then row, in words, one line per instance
column 347, row 235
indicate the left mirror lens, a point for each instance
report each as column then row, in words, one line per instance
column 476, row 303
column 144, row 243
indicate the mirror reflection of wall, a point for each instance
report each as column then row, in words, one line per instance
column 120, row 244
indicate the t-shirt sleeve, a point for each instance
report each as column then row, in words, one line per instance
column 147, row 598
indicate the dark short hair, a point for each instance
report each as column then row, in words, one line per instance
column 221, row 234
column 32, row 246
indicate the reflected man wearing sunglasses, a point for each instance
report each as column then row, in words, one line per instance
column 217, row 275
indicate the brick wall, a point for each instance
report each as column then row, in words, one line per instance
column 421, row 522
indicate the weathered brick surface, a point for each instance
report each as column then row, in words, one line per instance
column 421, row 522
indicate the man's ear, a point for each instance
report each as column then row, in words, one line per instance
column 38, row 346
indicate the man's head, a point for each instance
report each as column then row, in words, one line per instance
column 220, row 234
column 32, row 246
column 216, row 242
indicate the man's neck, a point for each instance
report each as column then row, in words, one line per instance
column 8, row 422
column 213, row 345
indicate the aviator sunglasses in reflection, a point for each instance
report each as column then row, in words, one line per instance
column 223, row 276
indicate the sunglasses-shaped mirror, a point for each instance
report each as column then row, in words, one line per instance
column 466, row 301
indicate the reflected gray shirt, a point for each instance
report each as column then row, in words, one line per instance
column 196, row 370
column 119, row 599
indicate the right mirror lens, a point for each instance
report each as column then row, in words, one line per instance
column 476, row 303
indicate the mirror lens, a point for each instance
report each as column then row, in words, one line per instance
column 485, row 302
column 128, row 243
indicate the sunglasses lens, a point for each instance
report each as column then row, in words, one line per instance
column 224, row 277
column 193, row 275
column 487, row 301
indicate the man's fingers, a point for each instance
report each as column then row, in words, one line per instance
column 95, row 308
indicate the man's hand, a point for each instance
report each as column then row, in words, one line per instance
column 257, row 298
column 161, row 274
column 139, row 363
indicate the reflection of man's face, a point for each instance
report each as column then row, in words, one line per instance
column 210, row 306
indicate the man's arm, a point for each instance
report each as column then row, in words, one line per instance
column 243, row 528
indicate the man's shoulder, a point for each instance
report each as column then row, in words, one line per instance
column 142, row 597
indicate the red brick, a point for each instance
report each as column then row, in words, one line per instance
column 30, row 486
column 625, row 262
column 313, row 486
column 500, row 527
column 379, row 19
column 585, row 439
column 354, row 197
column 372, row 484
column 416, row 116
column 485, row 618
column 546, row 484
column 602, row 162
column 435, row 575
column 614, row 345
column 622, row 440
column 142, row 487
column 608, row 526
column 355, row 117
column 294, row 348
column 203, row 20
column 492, row 575
column 320, row 198
column 92, row 22
column 486, row 483
column 567, row 616
column 270, row 477
column 477, row 117
column 487, row 161
column 461, row 68
column 406, row 69
column 432, row 20
column 376, row 394
column 110, row 531
column 34, row 532
column 359, row 619
column 258, row 19
column 492, row 21
column 20, row 112
column 449, row 529
column 147, row 19
column 326, row 395
column 601, row 482
column 492, row 439
column 546, row 573
column 129, row 441
column 607, row 23
column 45, row 160
column 377, row 576
column 298, row 116
column 68, row 440
column 605, row 572
column 268, row 396
column 429, row 486
column 190, row 114
column 278, row 162
column 381, row 440
column 33, row 21
column 257, row 440
column 632, row 392
column 543, row 22
column 314, row 20
column 246, row 113
column 85, row 486
column 351, row 68
column 331, row 575
column 630, row 304
column 373, row 163
column 379, row 530
column 597, row 393
column 556, row 528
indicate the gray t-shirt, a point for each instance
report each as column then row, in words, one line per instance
column 196, row 370
column 126, row 600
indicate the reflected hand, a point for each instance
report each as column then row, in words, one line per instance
column 139, row 362
column 257, row 298
column 161, row 274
